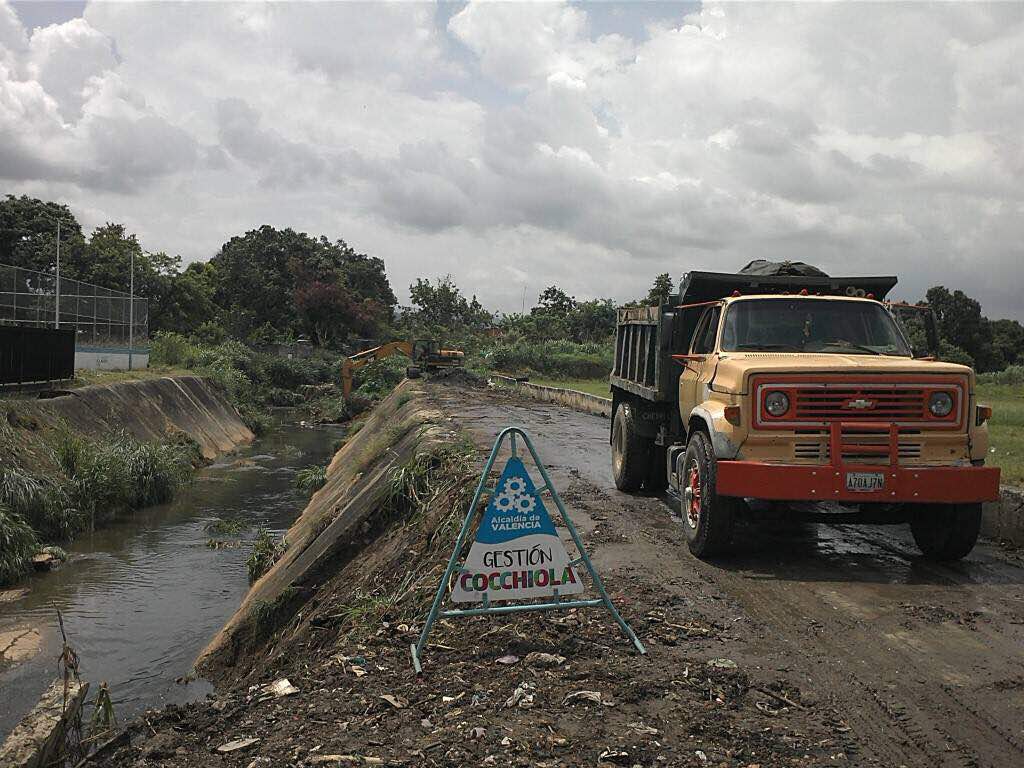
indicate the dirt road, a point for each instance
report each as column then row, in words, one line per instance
column 916, row 664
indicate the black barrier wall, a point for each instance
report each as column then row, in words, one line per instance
column 36, row 354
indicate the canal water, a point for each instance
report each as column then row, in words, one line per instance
column 142, row 597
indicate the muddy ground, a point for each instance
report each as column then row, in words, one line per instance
column 810, row 646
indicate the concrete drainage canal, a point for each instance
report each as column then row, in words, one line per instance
column 141, row 597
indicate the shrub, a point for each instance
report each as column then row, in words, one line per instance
column 378, row 378
column 18, row 543
column 1010, row 376
column 170, row 348
column 554, row 358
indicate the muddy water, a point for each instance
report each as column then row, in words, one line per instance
column 142, row 597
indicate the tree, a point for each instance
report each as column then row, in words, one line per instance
column 259, row 276
column 442, row 304
column 592, row 320
column 661, row 290
column 28, row 234
column 554, row 301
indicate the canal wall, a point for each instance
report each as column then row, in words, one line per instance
column 570, row 398
column 149, row 409
column 341, row 520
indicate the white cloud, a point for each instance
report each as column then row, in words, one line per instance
column 513, row 140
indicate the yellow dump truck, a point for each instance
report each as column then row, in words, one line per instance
column 750, row 388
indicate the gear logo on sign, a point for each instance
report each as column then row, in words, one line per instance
column 515, row 497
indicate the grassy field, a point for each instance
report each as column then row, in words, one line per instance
column 1006, row 428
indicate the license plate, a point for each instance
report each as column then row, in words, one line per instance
column 865, row 482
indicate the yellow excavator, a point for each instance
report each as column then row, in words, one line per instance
column 426, row 356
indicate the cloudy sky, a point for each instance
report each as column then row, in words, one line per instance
column 519, row 145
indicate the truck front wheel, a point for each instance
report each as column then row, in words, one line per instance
column 707, row 517
column 630, row 451
column 946, row 531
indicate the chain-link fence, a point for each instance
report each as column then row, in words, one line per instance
column 101, row 317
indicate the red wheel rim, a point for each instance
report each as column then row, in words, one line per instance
column 693, row 496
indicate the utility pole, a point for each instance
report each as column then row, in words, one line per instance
column 56, row 316
column 131, row 312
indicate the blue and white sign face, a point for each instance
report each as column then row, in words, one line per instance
column 517, row 553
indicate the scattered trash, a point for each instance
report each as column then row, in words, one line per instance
column 723, row 664
column 280, row 687
column 539, row 659
column 592, row 696
column 522, row 696
column 477, row 733
column 613, row 756
column 237, row 745
column 699, row 753
column 510, row 659
column 394, row 701
column 506, row 742
column 344, row 759
column 643, row 730
column 451, row 699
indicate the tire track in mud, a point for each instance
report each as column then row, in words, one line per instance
column 839, row 607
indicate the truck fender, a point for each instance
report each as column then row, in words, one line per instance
column 724, row 447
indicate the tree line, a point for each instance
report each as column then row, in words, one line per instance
column 271, row 285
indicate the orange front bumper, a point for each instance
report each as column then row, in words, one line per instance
column 802, row 482
column 887, row 482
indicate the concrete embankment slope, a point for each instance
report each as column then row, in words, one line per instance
column 150, row 410
column 339, row 520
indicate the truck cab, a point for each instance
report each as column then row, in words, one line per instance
column 796, row 388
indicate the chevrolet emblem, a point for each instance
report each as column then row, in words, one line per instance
column 860, row 404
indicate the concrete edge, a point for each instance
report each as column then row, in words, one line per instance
column 571, row 398
column 35, row 741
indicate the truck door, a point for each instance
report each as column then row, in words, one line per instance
column 697, row 373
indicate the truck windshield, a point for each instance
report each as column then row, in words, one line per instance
column 811, row 325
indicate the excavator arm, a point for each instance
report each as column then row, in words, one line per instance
column 350, row 365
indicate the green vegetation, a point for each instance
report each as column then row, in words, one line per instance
column 94, row 482
column 1006, row 429
column 311, row 478
column 265, row 552
column 18, row 542
column 231, row 526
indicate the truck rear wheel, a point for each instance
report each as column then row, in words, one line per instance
column 946, row 531
column 707, row 517
column 630, row 451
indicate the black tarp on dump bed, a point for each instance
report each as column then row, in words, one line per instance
column 708, row 286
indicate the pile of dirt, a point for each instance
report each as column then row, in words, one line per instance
column 536, row 689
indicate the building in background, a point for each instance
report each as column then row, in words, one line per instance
column 111, row 329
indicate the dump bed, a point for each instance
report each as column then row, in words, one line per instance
column 643, row 352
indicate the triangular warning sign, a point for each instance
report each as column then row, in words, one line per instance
column 517, row 553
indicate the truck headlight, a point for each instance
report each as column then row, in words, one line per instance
column 940, row 404
column 776, row 403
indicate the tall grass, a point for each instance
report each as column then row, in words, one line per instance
column 1009, row 376
column 18, row 543
column 96, row 481
column 311, row 478
column 265, row 552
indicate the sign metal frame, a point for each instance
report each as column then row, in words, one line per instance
column 486, row 607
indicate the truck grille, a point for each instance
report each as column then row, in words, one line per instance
column 859, row 404
column 822, row 451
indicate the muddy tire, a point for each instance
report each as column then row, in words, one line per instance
column 707, row 517
column 630, row 451
column 946, row 531
column 413, row 372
